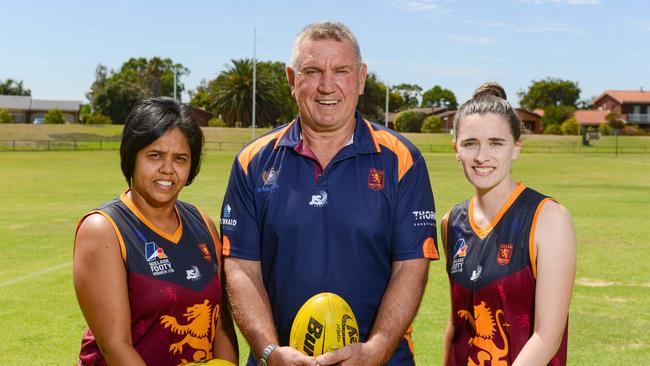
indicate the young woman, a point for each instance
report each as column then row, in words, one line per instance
column 146, row 266
column 511, row 251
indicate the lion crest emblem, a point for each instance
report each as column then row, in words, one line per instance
column 485, row 325
column 199, row 331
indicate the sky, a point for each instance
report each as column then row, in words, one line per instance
column 55, row 46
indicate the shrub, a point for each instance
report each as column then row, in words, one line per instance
column 6, row 117
column 605, row 129
column 570, row 127
column 216, row 122
column 98, row 119
column 409, row 121
column 431, row 124
column 553, row 129
column 632, row 130
column 54, row 117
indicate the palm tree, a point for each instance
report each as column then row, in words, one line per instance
column 11, row 87
column 234, row 95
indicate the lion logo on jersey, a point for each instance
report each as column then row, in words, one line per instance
column 484, row 324
column 201, row 320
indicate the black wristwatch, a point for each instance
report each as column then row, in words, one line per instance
column 266, row 353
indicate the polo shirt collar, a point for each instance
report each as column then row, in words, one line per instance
column 362, row 141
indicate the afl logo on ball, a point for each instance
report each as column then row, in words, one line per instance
column 376, row 179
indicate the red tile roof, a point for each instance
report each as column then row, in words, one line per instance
column 591, row 116
column 626, row 96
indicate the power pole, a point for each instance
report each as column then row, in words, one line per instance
column 387, row 99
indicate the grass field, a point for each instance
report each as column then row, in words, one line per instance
column 44, row 194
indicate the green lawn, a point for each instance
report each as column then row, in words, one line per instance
column 45, row 193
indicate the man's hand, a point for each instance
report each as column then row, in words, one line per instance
column 287, row 356
column 362, row 354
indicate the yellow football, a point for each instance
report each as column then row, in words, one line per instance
column 324, row 323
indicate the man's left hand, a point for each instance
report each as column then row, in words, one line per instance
column 362, row 354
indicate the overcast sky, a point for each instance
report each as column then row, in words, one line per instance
column 55, row 46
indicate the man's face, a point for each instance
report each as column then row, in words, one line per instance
column 326, row 83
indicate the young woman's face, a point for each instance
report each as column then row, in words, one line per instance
column 162, row 168
column 485, row 147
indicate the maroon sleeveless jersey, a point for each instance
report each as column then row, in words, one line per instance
column 174, row 287
column 492, row 276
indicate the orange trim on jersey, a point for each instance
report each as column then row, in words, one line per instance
column 445, row 230
column 372, row 132
column 174, row 238
column 117, row 231
column 392, row 143
column 483, row 232
column 226, row 246
column 532, row 248
column 249, row 152
column 429, row 249
column 215, row 239
column 409, row 339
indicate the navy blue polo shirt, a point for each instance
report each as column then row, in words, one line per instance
column 335, row 230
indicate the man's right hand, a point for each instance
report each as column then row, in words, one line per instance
column 287, row 356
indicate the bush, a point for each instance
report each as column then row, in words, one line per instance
column 216, row 122
column 6, row 117
column 98, row 119
column 431, row 124
column 409, row 121
column 605, row 129
column 632, row 130
column 54, row 117
column 570, row 127
column 553, row 129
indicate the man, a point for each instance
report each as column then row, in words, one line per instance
column 329, row 202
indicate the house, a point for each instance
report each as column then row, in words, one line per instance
column 632, row 105
column 591, row 117
column 25, row 109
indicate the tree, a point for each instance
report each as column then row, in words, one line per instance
column 114, row 93
column 549, row 92
column 439, row 97
column 233, row 99
column 553, row 129
column 12, row 87
column 431, row 124
column 409, row 121
column 614, row 121
column 6, row 117
column 116, row 99
column 372, row 102
column 54, row 117
column 275, row 72
column 410, row 93
column 555, row 115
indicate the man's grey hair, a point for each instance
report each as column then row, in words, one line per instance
column 325, row 30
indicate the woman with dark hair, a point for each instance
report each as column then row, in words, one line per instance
column 147, row 266
column 511, row 251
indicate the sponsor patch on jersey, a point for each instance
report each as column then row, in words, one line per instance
column 228, row 223
column 424, row 218
column 270, row 179
column 460, row 251
column 205, row 252
column 460, row 248
column 319, row 199
column 376, row 179
column 158, row 260
column 504, row 255
column 193, row 273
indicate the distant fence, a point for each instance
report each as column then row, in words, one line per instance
column 85, row 145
